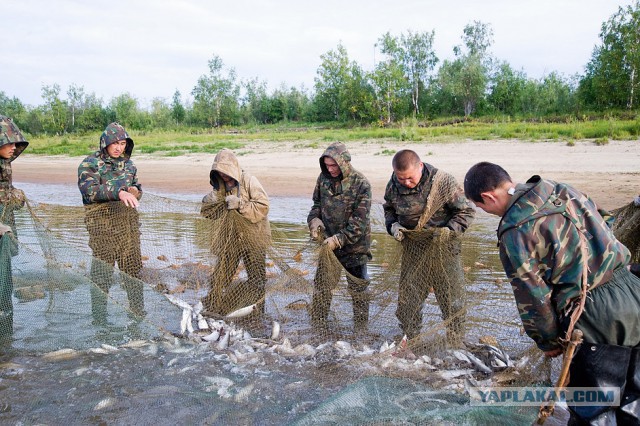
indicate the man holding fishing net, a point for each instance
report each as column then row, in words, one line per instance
column 108, row 182
column 12, row 144
column 339, row 218
column 426, row 210
column 239, row 229
column 568, row 272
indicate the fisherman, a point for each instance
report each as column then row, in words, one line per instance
column 339, row 218
column 238, row 206
column 559, row 251
column 108, row 182
column 410, row 197
column 12, row 144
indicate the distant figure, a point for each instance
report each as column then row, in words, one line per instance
column 12, row 144
column 340, row 214
column 426, row 210
column 238, row 207
column 559, row 251
column 108, row 182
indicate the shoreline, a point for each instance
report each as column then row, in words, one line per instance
column 608, row 173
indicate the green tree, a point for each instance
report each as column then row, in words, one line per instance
column 55, row 110
column 13, row 108
column 125, row 107
column 415, row 55
column 506, row 89
column 611, row 79
column 178, row 112
column 330, row 84
column 75, row 99
column 388, row 85
column 216, row 97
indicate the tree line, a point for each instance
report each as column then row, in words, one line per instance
column 408, row 82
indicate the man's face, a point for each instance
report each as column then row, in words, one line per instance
column 409, row 178
column 6, row 151
column 226, row 178
column 116, row 149
column 332, row 166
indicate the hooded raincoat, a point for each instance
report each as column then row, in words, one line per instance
column 10, row 198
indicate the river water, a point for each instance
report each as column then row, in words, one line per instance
column 167, row 380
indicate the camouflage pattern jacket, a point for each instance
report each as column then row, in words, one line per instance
column 10, row 197
column 101, row 177
column 344, row 206
column 539, row 240
column 405, row 205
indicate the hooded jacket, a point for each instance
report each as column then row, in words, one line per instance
column 8, row 201
column 343, row 204
column 539, row 240
column 405, row 205
column 254, row 202
column 101, row 177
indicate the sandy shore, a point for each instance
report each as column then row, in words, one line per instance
column 608, row 173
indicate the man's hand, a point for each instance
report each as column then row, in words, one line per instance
column 636, row 201
column 233, row 202
column 397, row 231
column 128, row 199
column 443, row 232
column 553, row 352
column 134, row 191
column 332, row 242
column 4, row 229
column 315, row 227
column 17, row 197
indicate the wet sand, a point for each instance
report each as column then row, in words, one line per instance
column 608, row 173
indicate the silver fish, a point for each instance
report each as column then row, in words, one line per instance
column 242, row 312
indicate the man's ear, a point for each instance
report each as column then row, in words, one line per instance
column 488, row 197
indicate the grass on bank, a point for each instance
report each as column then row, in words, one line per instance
column 188, row 141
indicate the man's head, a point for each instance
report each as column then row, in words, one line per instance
column 12, row 143
column 488, row 185
column 407, row 167
column 116, row 141
column 335, row 161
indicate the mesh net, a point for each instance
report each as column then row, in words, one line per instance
column 203, row 297
column 626, row 228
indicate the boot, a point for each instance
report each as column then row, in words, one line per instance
column 598, row 365
column 360, row 303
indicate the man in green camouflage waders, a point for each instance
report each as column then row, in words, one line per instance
column 238, row 206
column 557, row 248
column 108, row 182
column 340, row 213
column 12, row 143
column 408, row 196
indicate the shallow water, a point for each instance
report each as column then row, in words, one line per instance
column 176, row 382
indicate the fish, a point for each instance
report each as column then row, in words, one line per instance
column 213, row 337
column 185, row 323
column 275, row 330
column 242, row 312
column 105, row 403
column 178, row 302
column 61, row 354
column 224, row 342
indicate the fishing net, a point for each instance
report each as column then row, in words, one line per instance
column 626, row 228
column 166, row 282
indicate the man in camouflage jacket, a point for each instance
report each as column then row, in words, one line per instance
column 12, row 144
column 406, row 197
column 550, row 235
column 340, row 211
column 108, row 182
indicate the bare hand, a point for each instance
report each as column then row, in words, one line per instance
column 128, row 199
column 553, row 352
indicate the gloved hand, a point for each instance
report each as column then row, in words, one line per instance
column 233, row 202
column 17, row 197
column 133, row 190
column 443, row 232
column 396, row 231
column 636, row 201
column 315, row 227
column 333, row 242
column 4, row 229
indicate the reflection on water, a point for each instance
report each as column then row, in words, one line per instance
column 172, row 381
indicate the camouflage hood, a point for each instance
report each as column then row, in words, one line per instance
column 536, row 198
column 114, row 133
column 225, row 162
column 9, row 133
column 338, row 152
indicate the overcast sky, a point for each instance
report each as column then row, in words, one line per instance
column 150, row 48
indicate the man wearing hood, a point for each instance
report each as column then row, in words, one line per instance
column 568, row 270
column 108, row 182
column 340, row 213
column 409, row 193
column 238, row 205
column 12, row 144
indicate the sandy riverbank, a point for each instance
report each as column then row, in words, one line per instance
column 609, row 173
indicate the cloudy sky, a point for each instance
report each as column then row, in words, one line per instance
column 150, row 48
